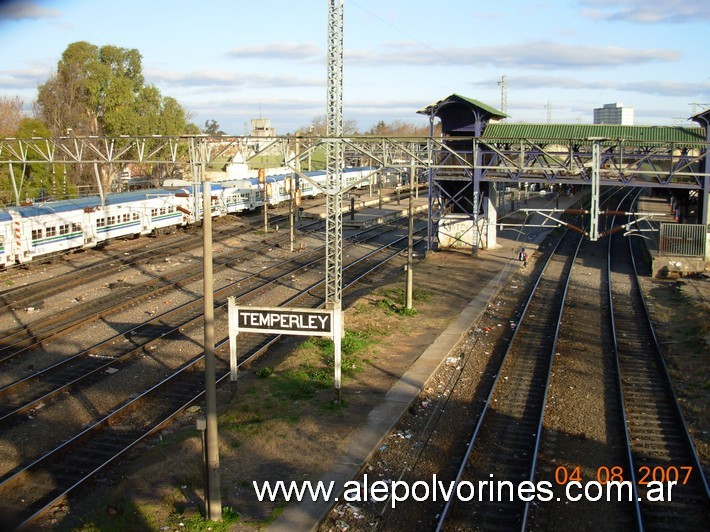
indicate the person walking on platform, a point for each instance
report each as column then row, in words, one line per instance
column 523, row 257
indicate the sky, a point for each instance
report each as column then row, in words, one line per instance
column 233, row 61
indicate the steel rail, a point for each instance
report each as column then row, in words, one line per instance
column 512, row 353
column 54, row 326
column 67, row 373
column 649, row 401
column 109, row 447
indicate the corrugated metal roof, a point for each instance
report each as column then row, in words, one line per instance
column 566, row 132
column 462, row 99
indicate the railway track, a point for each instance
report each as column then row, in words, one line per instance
column 34, row 293
column 16, row 342
column 25, row 394
column 506, row 408
column 659, row 445
column 29, row 491
column 505, row 440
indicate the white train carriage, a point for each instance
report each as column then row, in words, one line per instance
column 54, row 227
column 141, row 212
column 192, row 203
column 7, row 256
column 238, row 196
column 48, row 228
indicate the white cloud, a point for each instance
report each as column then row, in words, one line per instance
column 222, row 78
column 543, row 55
column 651, row 87
column 28, row 78
column 288, row 51
column 647, row 11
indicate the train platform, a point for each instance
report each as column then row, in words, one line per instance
column 361, row 211
column 501, row 263
column 664, row 264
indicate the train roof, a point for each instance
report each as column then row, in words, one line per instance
column 5, row 216
column 87, row 202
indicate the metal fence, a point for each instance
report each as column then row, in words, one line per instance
column 684, row 240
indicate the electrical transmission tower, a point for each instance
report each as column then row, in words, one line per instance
column 334, row 157
column 503, row 94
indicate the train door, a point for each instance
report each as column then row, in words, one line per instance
column 6, row 240
column 91, row 219
column 20, row 238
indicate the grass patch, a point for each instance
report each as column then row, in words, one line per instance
column 198, row 523
column 301, row 383
column 305, row 380
column 394, row 301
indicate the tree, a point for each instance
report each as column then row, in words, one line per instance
column 10, row 114
column 212, row 128
column 398, row 128
column 28, row 181
column 318, row 127
column 102, row 91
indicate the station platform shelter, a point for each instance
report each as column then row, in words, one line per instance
column 488, row 162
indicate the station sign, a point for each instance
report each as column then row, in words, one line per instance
column 310, row 322
column 279, row 320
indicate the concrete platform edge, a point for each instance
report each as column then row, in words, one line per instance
column 364, row 442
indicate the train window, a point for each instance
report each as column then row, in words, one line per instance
column 171, row 209
column 162, row 210
column 64, row 229
column 136, row 216
column 75, row 228
column 154, row 212
column 111, row 220
column 126, row 217
column 100, row 222
column 51, row 231
column 36, row 234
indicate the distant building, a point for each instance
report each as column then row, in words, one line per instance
column 261, row 127
column 614, row 113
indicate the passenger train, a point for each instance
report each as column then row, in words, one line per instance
column 38, row 230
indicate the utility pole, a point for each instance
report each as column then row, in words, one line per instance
column 262, row 180
column 548, row 106
column 213, row 497
column 334, row 165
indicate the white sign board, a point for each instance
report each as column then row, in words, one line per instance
column 308, row 322
column 279, row 320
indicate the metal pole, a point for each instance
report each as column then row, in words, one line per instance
column 334, row 185
column 213, row 505
column 290, row 216
column 594, row 211
column 430, row 179
column 410, row 244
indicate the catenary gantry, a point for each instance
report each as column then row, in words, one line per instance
column 475, row 151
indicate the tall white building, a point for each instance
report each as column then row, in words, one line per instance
column 614, row 113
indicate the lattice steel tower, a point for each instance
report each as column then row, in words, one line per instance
column 334, row 157
column 503, row 94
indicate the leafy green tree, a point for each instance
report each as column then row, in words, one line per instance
column 31, row 181
column 212, row 128
column 102, row 91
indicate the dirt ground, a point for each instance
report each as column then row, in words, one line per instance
column 284, row 425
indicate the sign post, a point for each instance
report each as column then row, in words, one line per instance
column 281, row 320
column 232, row 320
